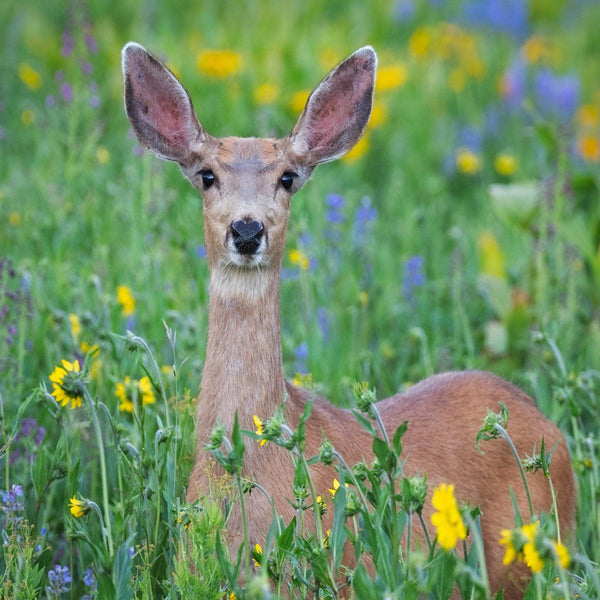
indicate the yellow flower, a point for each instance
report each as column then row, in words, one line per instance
column 75, row 325
column 336, row 487
column 127, row 390
column 505, row 164
column 447, row 520
column 359, row 149
column 326, row 538
column 232, row 596
column 299, row 100
column 304, row 380
column 419, row 42
column 530, row 554
column 259, row 428
column 467, row 161
column 96, row 363
column 258, row 552
column 363, row 298
column 328, row 58
column 391, row 77
column 511, row 552
column 562, row 554
column 29, row 76
column 64, row 383
column 27, row 117
column 126, row 300
column 588, row 147
column 266, row 93
column 491, row 258
column 535, row 49
column 219, row 63
column 78, row 508
column 102, row 155
column 14, row 219
column 297, row 257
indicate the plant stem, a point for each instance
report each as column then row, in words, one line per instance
column 238, row 481
column 103, row 474
column 505, row 435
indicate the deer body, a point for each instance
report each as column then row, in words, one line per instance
column 247, row 185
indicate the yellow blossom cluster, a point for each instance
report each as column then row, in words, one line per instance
column 299, row 258
column 62, row 381
column 219, row 63
column 588, row 133
column 447, row 519
column 127, row 390
column 126, row 300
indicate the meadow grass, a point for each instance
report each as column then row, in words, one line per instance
column 403, row 262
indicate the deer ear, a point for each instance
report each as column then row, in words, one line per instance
column 337, row 111
column 158, row 106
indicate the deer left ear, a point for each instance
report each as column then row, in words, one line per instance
column 337, row 111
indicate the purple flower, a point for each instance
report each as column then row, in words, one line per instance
column 301, row 354
column 557, row 95
column 86, row 67
column 305, row 239
column 335, row 204
column 287, row 274
column 50, row 101
column 59, row 75
column 514, row 83
column 404, row 10
column 365, row 214
column 90, row 42
column 89, row 579
column 131, row 551
column 201, row 251
column 59, row 579
column 508, row 16
column 323, row 321
column 11, row 506
column 95, row 101
column 413, row 276
column 138, row 150
column 68, row 44
column 66, row 91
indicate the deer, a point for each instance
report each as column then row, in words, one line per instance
column 247, row 186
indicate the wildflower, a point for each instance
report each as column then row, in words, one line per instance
column 66, row 91
column 68, row 44
column 457, row 80
column 128, row 390
column 326, row 538
column 297, row 257
column 511, row 553
column 535, row 49
column 90, row 581
column 336, row 487
column 505, row 164
column 27, row 117
column 510, row 16
column 102, row 155
column 75, row 325
column 588, row 147
column 96, row 363
column 513, row 83
column 531, row 555
column 29, row 76
column 359, row 149
column 126, row 300
column 447, row 520
column 363, row 298
column 12, row 506
column 14, row 219
column 420, row 42
column 232, row 596
column 588, row 115
column 59, row 579
column 413, row 276
column 304, row 380
column 67, row 384
column 266, row 93
column 299, row 100
column 391, row 78
column 218, row 63
column 257, row 554
column 562, row 554
column 557, row 95
column 78, row 508
column 491, row 258
column 414, row 493
column 467, row 161
column 259, row 428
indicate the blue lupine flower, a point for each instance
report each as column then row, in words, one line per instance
column 11, row 506
column 508, row 16
column 365, row 214
column 131, row 551
column 470, row 137
column 557, row 95
column 323, row 321
column 301, row 354
column 201, row 251
column 335, row 204
column 514, row 83
column 404, row 10
column 59, row 579
column 413, row 276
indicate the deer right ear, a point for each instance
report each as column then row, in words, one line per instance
column 158, row 106
column 337, row 112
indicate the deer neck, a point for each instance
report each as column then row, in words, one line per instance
column 243, row 369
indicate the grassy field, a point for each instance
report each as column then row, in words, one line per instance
column 462, row 232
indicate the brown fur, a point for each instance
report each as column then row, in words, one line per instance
column 243, row 371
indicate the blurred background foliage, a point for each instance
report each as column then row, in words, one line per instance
column 462, row 232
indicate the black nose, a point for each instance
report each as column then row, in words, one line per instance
column 246, row 235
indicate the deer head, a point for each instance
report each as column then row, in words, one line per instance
column 246, row 183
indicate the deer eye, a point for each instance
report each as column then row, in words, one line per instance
column 208, row 178
column 287, row 179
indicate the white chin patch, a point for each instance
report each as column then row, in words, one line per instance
column 247, row 261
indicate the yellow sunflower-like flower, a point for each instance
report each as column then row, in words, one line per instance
column 259, row 428
column 505, row 164
column 257, row 553
column 447, row 520
column 219, row 63
column 66, row 384
column 511, row 553
column 562, row 554
column 531, row 556
column 297, row 257
column 75, row 325
column 78, row 508
column 467, row 161
column 336, row 487
column 29, row 76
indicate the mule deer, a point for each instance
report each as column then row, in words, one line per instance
column 247, row 185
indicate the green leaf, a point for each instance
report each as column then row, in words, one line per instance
column 364, row 586
column 384, row 455
column 122, row 571
column 397, row 440
column 367, row 425
column 338, row 535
